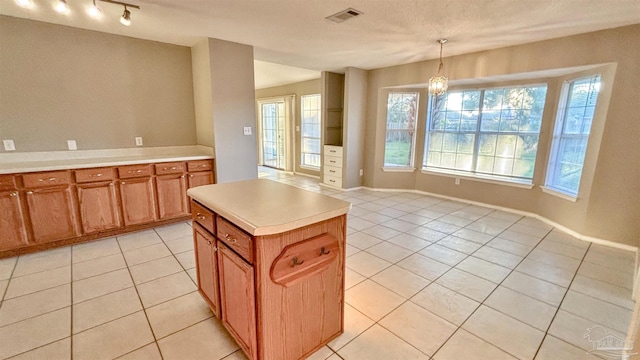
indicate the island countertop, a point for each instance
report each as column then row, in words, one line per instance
column 265, row 207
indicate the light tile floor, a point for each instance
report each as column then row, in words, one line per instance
column 426, row 278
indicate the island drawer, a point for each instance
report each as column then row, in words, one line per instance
column 170, row 168
column 92, row 175
column 200, row 165
column 203, row 216
column 238, row 240
column 134, row 171
column 46, row 179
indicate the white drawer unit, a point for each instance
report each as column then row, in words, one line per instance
column 332, row 165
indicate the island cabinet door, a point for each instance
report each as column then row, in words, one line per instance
column 13, row 231
column 138, row 201
column 172, row 196
column 207, row 267
column 237, row 299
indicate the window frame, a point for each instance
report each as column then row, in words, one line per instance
column 412, row 148
column 302, row 137
column 477, row 133
column 559, row 135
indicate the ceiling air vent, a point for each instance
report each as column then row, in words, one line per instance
column 344, row 15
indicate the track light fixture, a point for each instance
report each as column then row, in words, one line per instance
column 93, row 10
column 62, row 7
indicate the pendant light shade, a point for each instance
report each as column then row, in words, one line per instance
column 438, row 84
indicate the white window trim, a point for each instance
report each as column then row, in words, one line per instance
column 556, row 193
column 399, row 169
column 302, row 165
column 490, row 179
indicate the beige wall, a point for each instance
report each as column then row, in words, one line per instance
column 608, row 204
column 355, row 108
column 299, row 89
column 59, row 83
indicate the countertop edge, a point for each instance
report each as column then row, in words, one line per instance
column 80, row 165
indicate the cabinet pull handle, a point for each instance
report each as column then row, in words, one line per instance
column 203, row 166
column 209, row 242
column 182, row 177
column 123, row 183
column 200, row 216
column 135, row 172
column 13, row 194
column 231, row 240
column 323, row 251
column 190, row 176
column 295, row 261
column 110, row 184
column 29, row 192
column 166, row 168
column 96, row 175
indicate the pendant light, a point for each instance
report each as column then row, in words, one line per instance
column 438, row 84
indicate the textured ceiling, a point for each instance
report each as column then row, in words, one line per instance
column 391, row 32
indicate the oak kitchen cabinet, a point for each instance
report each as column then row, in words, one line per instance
column 137, row 194
column 171, row 188
column 280, row 274
column 51, row 206
column 98, row 199
column 13, row 228
column 41, row 210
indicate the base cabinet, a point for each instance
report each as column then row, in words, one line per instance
column 237, row 299
column 138, row 201
column 172, row 199
column 206, row 247
column 13, row 230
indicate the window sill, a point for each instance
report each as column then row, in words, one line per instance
column 559, row 194
column 399, row 169
column 487, row 179
column 312, row 168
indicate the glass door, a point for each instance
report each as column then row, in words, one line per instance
column 273, row 134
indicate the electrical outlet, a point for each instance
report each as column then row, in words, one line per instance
column 247, row 130
column 457, row 181
column 138, row 140
column 298, row 128
column 9, row 145
column 71, row 144
column 361, row 172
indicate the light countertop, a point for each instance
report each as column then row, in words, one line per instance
column 59, row 160
column 265, row 207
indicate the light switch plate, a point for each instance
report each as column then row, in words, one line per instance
column 9, row 145
column 71, row 144
column 247, row 130
column 138, row 140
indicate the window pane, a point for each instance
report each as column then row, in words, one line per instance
column 402, row 109
column 572, row 130
column 310, row 134
column 508, row 130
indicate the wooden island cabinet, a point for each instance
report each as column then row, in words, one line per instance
column 46, row 209
column 270, row 262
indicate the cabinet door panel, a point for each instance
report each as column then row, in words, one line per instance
column 98, row 207
column 237, row 299
column 172, row 196
column 207, row 267
column 52, row 214
column 13, row 232
column 138, row 201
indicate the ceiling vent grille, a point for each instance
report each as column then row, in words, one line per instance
column 344, row 15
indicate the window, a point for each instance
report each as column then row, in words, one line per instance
column 573, row 125
column 310, row 136
column 402, row 111
column 487, row 132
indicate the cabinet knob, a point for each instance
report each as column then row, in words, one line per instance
column 209, row 242
column 111, row 184
column 29, row 192
column 182, row 177
column 190, row 176
column 123, row 183
column 214, row 249
column 14, row 194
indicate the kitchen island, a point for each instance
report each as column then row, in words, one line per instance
column 270, row 263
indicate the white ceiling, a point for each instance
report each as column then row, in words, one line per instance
column 295, row 33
